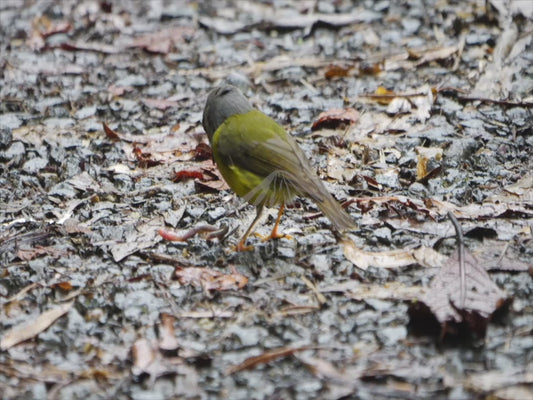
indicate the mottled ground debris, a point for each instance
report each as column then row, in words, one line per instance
column 117, row 278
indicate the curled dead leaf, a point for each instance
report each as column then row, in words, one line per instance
column 334, row 117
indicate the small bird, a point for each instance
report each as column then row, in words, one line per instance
column 261, row 162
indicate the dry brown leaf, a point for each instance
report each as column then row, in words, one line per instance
column 334, row 71
column 64, row 285
column 443, row 300
column 334, row 117
column 111, row 134
column 28, row 330
column 429, row 159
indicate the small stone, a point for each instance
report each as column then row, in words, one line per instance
column 34, row 165
column 85, row 112
column 5, row 137
column 392, row 335
column 11, row 121
column 15, row 150
column 131, row 80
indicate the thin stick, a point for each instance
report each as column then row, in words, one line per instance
column 460, row 240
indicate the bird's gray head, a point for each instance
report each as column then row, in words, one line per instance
column 223, row 102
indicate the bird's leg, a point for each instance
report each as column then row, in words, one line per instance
column 241, row 246
column 275, row 234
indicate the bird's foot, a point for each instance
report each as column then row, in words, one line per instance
column 273, row 235
column 241, row 246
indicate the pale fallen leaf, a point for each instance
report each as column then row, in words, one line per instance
column 210, row 279
column 167, row 336
column 392, row 259
column 207, row 314
column 143, row 355
column 325, row 369
column 388, row 291
column 143, row 237
column 488, row 381
column 519, row 192
column 28, row 330
column 399, row 105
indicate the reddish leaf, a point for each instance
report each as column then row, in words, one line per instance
column 203, row 152
column 372, row 183
column 43, row 27
column 145, row 159
column 111, row 134
column 185, row 175
column 335, row 117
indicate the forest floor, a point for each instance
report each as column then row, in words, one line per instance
column 410, row 111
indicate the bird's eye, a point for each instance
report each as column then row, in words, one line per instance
column 225, row 91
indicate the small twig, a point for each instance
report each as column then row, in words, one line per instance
column 508, row 103
column 319, row 296
column 470, row 98
column 219, row 234
column 460, row 240
column 500, row 259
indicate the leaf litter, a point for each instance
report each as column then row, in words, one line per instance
column 82, row 207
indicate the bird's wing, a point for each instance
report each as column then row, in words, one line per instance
column 267, row 151
column 272, row 165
